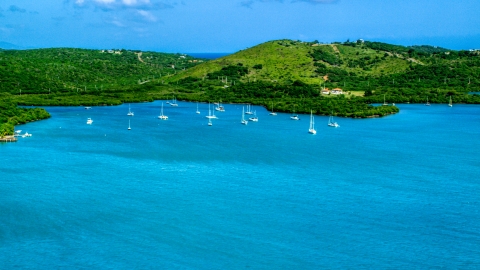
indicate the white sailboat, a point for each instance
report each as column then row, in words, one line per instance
column 254, row 118
column 198, row 112
column 294, row 116
column 130, row 113
column 129, row 124
column 210, row 113
column 384, row 102
column 210, row 121
column 311, row 129
column 273, row 113
column 332, row 123
column 219, row 107
column 428, row 103
column 244, row 122
column 248, row 110
column 450, row 104
column 174, row 102
column 213, row 115
column 161, row 116
column 89, row 121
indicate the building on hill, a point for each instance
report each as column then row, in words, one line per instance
column 337, row 91
column 325, row 91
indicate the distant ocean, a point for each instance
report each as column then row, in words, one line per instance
column 208, row 55
column 399, row 192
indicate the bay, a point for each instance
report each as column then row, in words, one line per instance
column 394, row 192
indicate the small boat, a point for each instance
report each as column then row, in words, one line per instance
column 332, row 123
column 273, row 113
column 450, row 104
column 210, row 121
column 26, row 135
column 248, row 110
column 174, row 102
column 161, row 116
column 198, row 112
column 243, row 122
column 294, row 116
column 130, row 113
column 129, row 124
column 219, row 107
column 428, row 103
column 88, row 108
column 254, row 118
column 311, row 129
column 89, row 121
column 384, row 102
column 210, row 113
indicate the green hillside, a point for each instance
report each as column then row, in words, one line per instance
column 403, row 74
column 288, row 75
column 66, row 70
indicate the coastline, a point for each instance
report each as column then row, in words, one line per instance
column 9, row 138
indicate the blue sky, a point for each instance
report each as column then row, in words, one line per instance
column 232, row 25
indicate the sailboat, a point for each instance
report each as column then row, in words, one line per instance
column 332, row 123
column 244, row 122
column 294, row 116
column 130, row 113
column 129, row 124
column 213, row 115
column 174, row 102
column 219, row 107
column 210, row 113
column 161, row 116
column 210, row 121
column 254, row 118
column 312, row 130
column 450, row 104
column 198, row 112
column 384, row 102
column 248, row 110
column 428, row 103
column 89, row 121
column 273, row 113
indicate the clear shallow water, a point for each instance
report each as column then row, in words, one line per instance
column 396, row 192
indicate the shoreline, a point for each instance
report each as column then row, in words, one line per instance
column 9, row 138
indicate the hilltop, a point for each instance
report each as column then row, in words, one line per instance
column 403, row 74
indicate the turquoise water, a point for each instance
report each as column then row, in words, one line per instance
column 395, row 192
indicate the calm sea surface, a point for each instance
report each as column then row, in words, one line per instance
column 398, row 192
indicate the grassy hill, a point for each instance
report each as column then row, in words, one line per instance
column 403, row 74
column 286, row 61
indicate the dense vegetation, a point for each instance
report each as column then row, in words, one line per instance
column 287, row 74
column 78, row 70
column 401, row 74
column 11, row 115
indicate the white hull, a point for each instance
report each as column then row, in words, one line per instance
column 161, row 116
